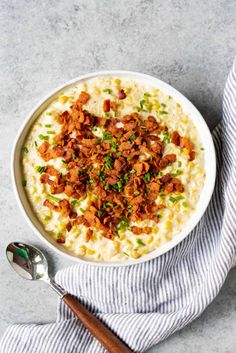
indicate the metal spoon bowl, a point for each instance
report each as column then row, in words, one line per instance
column 30, row 263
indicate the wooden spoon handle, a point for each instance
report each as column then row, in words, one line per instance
column 96, row 327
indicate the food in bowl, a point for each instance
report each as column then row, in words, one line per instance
column 113, row 168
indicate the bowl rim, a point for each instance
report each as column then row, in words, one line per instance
column 210, row 167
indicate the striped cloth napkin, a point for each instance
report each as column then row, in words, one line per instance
column 144, row 304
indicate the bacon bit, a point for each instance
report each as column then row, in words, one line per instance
column 192, row 155
column 166, row 178
column 84, row 97
column 171, row 157
column 141, row 168
column 147, row 230
column 125, row 146
column 106, row 105
column 61, row 239
column 169, row 188
column 121, row 94
column 44, row 148
column 163, row 163
column 65, row 208
column 57, row 189
column 114, row 106
column 136, row 230
column 44, row 178
column 186, row 143
column 175, row 138
column 89, row 234
column 50, row 205
column 68, row 226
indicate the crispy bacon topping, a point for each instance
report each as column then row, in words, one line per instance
column 121, row 171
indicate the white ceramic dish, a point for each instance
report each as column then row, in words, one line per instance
column 197, row 119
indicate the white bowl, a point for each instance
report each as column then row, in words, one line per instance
column 188, row 107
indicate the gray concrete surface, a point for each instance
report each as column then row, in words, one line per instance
column 44, row 43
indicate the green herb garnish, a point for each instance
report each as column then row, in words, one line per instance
column 48, row 125
column 146, row 94
column 53, row 198
column 107, row 90
column 50, row 132
column 40, row 170
column 178, row 172
column 132, row 138
column 108, row 162
column 107, row 136
column 147, row 177
column 35, row 143
column 123, row 223
column 140, row 242
column 162, row 112
column 175, row 199
column 43, row 137
column 82, row 210
column 24, row 183
column 114, row 146
column 25, row 149
column 136, row 193
column 47, row 218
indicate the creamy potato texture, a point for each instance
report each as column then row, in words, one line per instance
column 147, row 100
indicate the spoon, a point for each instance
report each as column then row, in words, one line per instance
column 30, row 263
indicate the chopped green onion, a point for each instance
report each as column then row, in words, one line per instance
column 125, row 253
column 185, row 204
column 47, row 218
column 132, row 138
column 159, row 215
column 140, row 242
column 114, row 145
column 40, row 170
column 132, row 171
column 82, row 210
column 35, row 143
column 43, row 137
column 54, row 144
column 136, row 193
column 107, row 115
column 107, row 136
column 179, row 163
column 162, row 112
column 163, row 105
column 24, row 183
column 119, row 154
column 25, row 149
column 108, row 162
column 147, row 177
column 75, row 202
column 50, row 132
column 146, row 94
column 175, row 199
column 100, row 212
column 53, row 198
column 107, row 90
column 202, row 149
column 48, row 125
column 178, row 172
column 123, row 224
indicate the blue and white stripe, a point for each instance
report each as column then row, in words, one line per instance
column 146, row 303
